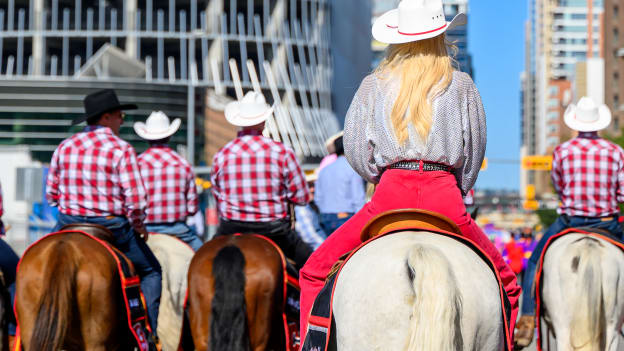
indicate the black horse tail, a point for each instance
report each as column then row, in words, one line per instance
column 228, row 326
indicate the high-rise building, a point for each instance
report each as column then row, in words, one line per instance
column 614, row 61
column 564, row 61
column 457, row 36
column 169, row 55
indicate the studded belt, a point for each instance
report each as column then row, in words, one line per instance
column 415, row 166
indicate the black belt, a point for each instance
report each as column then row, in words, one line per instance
column 415, row 166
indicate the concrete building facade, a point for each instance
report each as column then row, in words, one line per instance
column 164, row 55
column 614, row 61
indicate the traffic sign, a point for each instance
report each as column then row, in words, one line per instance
column 530, row 192
column 531, row 205
column 537, row 163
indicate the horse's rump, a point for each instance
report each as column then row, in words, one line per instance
column 394, row 281
column 261, row 264
column 174, row 257
column 75, row 291
column 580, row 269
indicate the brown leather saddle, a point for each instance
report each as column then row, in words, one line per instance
column 404, row 219
column 96, row 230
column 407, row 219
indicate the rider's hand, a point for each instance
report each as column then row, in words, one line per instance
column 140, row 230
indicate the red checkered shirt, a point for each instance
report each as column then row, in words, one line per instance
column 588, row 175
column 170, row 185
column 95, row 173
column 255, row 178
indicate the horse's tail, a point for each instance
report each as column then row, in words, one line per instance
column 588, row 314
column 437, row 301
column 55, row 307
column 228, row 325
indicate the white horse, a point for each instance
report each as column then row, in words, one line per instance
column 174, row 257
column 417, row 291
column 583, row 295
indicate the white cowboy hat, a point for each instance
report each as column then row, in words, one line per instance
column 329, row 143
column 414, row 20
column 157, row 126
column 250, row 111
column 587, row 116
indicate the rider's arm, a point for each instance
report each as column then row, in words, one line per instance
column 52, row 183
column 620, row 175
column 297, row 190
column 191, row 193
column 475, row 139
column 133, row 190
column 359, row 132
column 555, row 173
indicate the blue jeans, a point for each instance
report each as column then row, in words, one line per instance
column 330, row 222
column 136, row 250
column 562, row 223
column 8, row 266
column 178, row 229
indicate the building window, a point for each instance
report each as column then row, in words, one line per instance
column 616, row 37
column 616, row 102
column 616, row 10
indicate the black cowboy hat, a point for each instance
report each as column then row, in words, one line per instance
column 100, row 102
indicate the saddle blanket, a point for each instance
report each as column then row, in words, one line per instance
column 136, row 310
column 321, row 330
column 290, row 316
column 538, row 273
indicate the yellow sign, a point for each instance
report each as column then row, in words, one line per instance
column 537, row 163
column 530, row 192
column 531, row 205
column 484, row 165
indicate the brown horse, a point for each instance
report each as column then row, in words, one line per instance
column 68, row 297
column 235, row 299
column 5, row 307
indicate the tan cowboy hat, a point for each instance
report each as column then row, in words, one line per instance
column 587, row 116
column 250, row 111
column 157, row 126
column 414, row 20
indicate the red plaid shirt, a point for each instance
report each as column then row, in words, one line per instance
column 95, row 174
column 588, row 175
column 255, row 178
column 170, row 185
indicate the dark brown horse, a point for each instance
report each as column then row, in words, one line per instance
column 5, row 307
column 69, row 297
column 235, row 299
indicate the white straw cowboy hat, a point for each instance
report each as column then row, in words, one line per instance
column 250, row 111
column 157, row 126
column 414, row 20
column 587, row 116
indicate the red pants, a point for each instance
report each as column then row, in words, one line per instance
column 398, row 189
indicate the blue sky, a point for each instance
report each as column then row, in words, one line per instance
column 496, row 42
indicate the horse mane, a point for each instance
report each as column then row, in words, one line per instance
column 57, row 304
column 228, row 326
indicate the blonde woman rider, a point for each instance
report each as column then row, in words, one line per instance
column 417, row 128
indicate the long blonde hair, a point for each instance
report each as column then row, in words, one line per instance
column 426, row 70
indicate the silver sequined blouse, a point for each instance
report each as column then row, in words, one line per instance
column 457, row 137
